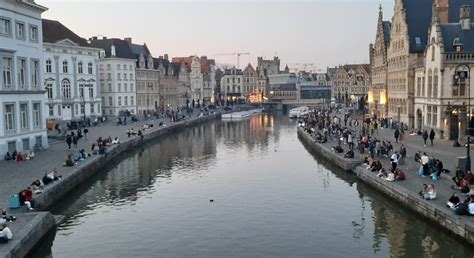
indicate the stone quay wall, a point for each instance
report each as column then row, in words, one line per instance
column 456, row 225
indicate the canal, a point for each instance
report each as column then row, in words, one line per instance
column 236, row 189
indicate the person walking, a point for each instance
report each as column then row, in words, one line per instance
column 402, row 136
column 432, row 136
column 86, row 131
column 396, row 135
column 69, row 141
column 425, row 136
column 75, row 139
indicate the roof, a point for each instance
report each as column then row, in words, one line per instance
column 387, row 28
column 139, row 50
column 158, row 61
column 122, row 48
column 176, row 68
column 354, row 67
column 418, row 17
column 54, row 31
column 229, row 71
column 466, row 37
column 285, row 78
column 454, row 6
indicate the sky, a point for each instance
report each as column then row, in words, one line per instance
column 318, row 32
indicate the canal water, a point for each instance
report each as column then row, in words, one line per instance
column 237, row 189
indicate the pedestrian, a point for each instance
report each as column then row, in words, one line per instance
column 396, row 134
column 432, row 136
column 75, row 139
column 402, row 136
column 425, row 136
column 69, row 141
column 86, row 131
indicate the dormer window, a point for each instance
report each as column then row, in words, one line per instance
column 457, row 45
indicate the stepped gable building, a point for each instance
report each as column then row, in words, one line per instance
column 408, row 39
column 443, row 80
column 147, row 78
column 22, row 94
column 117, row 76
column 71, row 74
column 251, row 91
column 377, row 97
column 351, row 82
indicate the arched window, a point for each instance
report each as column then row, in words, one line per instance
column 430, row 83
column 66, row 89
column 64, row 66
column 89, row 68
column 435, row 84
column 79, row 67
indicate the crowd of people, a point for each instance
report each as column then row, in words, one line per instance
column 19, row 156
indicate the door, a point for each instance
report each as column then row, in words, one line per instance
column 67, row 112
column 453, row 127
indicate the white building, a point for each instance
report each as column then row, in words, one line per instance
column 71, row 74
column 117, row 77
column 232, row 84
column 197, row 81
column 22, row 96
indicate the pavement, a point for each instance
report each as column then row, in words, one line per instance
column 16, row 176
column 442, row 149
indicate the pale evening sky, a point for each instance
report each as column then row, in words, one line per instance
column 322, row 32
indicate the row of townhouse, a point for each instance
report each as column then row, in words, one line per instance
column 422, row 64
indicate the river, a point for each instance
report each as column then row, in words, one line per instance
column 237, row 189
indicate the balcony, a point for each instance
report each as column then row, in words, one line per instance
column 462, row 58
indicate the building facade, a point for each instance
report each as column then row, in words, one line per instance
column 408, row 37
column 282, row 87
column 351, row 82
column 117, row 77
column 443, row 80
column 22, row 95
column 71, row 74
column 147, row 79
column 377, row 97
column 232, row 84
column 251, row 91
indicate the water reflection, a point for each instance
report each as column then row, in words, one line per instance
column 272, row 199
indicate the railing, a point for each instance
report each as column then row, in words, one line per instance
column 459, row 58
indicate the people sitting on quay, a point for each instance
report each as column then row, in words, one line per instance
column 8, row 156
column 399, row 175
column 428, row 192
column 349, row 154
column 26, row 197
column 453, row 201
column 116, row 140
column 20, row 157
column 95, row 149
column 37, row 186
column 102, row 149
column 462, row 208
column 5, row 233
column 6, row 218
column 376, row 166
column 69, row 161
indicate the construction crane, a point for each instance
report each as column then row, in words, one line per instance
column 235, row 54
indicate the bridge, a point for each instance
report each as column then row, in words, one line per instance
column 288, row 104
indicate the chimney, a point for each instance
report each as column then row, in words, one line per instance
column 166, row 57
column 465, row 17
column 93, row 38
column 128, row 40
column 442, row 10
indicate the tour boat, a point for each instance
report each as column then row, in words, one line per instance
column 242, row 114
column 298, row 112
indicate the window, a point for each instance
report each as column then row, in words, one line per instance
column 48, row 66
column 92, row 108
column 109, row 76
column 125, row 87
column 110, row 112
column 81, row 90
column 131, row 87
column 36, row 114
column 435, row 116
column 91, row 91
column 119, row 102
column 59, row 110
column 66, row 89
column 9, row 113
column 125, row 76
column 417, row 40
column 131, row 76
column 125, row 67
column 119, row 87
column 110, row 87
column 33, row 33
column 428, row 116
column 131, row 67
column 23, row 116
column 5, row 28
column 49, row 90
column 83, row 109
column 20, row 30
column 51, row 110
column 118, row 76
column 35, row 74
column 110, row 101
column 89, row 68
column 64, row 66
column 430, row 84
column 7, row 72
column 118, row 67
column 109, row 66
column 79, row 67
column 435, row 84
column 131, row 100
column 126, row 100
column 22, row 73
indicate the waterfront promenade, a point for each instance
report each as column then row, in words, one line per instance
column 407, row 191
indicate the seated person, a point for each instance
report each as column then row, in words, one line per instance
column 464, row 186
column 32, row 155
column 5, row 233
column 95, row 148
column 78, row 157
column 399, row 175
column 102, row 150
column 5, row 218
column 8, row 156
column 46, row 178
column 436, row 175
column 349, row 154
column 462, row 208
column 471, row 208
column 453, row 201
column 36, row 187
column 69, row 161
column 376, row 166
column 20, row 157
column 14, row 154
column 27, row 196
column 430, row 193
column 391, row 176
column 337, row 149
column 83, row 154
column 116, row 141
column 382, row 173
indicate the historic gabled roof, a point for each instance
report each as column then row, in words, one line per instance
column 454, row 6
column 452, row 31
column 158, row 61
column 354, row 67
column 122, row 48
column 139, row 50
column 54, row 31
column 418, row 18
